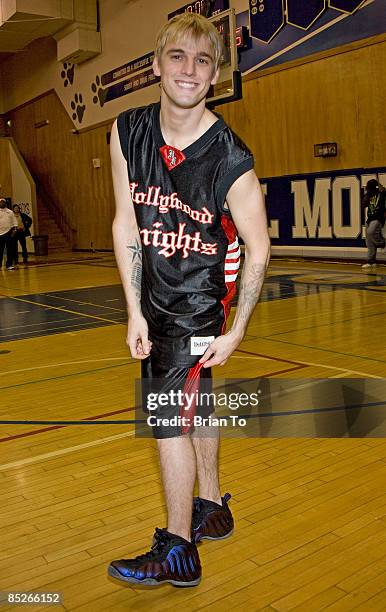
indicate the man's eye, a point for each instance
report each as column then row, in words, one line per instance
column 176, row 57
column 202, row 60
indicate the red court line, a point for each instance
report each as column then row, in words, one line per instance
column 93, row 418
column 270, row 357
column 298, row 366
column 31, row 433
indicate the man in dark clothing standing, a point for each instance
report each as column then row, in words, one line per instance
column 24, row 223
column 374, row 201
column 8, row 225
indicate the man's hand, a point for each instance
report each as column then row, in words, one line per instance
column 220, row 350
column 137, row 337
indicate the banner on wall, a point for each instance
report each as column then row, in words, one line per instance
column 135, row 65
column 286, row 30
column 319, row 210
column 134, row 83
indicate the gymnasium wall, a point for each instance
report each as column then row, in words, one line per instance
column 61, row 162
column 128, row 29
column 2, row 126
column 5, row 170
column 281, row 116
column 16, row 182
column 285, row 110
column 119, row 77
column 313, row 203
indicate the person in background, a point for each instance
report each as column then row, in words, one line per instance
column 8, row 227
column 374, row 200
column 24, row 223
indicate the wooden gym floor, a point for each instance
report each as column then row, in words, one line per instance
column 310, row 511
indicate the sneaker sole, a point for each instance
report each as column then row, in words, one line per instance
column 151, row 581
column 228, row 535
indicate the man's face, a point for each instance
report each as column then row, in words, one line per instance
column 2, row 204
column 186, row 68
column 372, row 187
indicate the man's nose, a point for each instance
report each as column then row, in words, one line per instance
column 189, row 66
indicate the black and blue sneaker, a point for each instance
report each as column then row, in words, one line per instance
column 171, row 559
column 210, row 521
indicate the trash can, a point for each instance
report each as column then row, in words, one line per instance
column 41, row 245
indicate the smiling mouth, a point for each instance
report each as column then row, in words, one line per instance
column 186, row 84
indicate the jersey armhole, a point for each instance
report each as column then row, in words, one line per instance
column 122, row 133
column 230, row 178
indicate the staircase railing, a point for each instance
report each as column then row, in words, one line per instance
column 61, row 220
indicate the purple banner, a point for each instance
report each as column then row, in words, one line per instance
column 135, row 83
column 331, row 29
column 347, row 6
column 266, row 18
column 118, row 73
column 303, row 14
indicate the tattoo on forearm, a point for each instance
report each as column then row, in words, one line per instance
column 136, row 271
column 136, row 251
column 136, row 276
column 250, row 287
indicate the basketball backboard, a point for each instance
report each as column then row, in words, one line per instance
column 228, row 86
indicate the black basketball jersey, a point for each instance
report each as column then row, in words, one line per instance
column 190, row 248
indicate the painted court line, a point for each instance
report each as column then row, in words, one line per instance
column 331, row 324
column 328, row 350
column 95, row 417
column 65, row 310
column 318, row 365
column 49, row 331
column 64, row 451
column 37, row 324
column 66, row 299
column 322, row 365
column 85, row 421
column 64, row 363
column 257, row 358
column 62, row 376
column 271, row 357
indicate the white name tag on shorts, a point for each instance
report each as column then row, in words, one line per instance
column 199, row 344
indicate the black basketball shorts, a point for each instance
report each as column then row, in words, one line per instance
column 176, row 400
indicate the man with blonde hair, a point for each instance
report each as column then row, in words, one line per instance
column 185, row 188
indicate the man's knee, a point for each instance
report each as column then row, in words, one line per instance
column 374, row 228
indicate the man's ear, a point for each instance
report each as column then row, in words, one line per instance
column 215, row 76
column 156, row 68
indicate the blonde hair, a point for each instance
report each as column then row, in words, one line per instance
column 190, row 24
